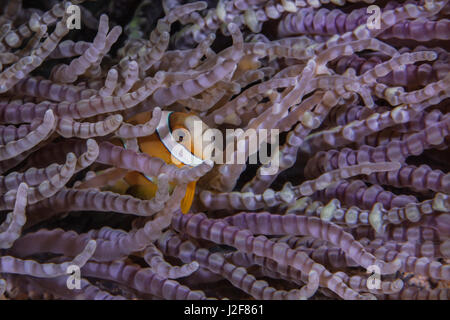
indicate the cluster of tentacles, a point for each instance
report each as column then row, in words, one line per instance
column 358, row 207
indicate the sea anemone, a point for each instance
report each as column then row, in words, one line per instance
column 345, row 197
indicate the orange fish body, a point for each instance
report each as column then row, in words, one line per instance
column 145, row 187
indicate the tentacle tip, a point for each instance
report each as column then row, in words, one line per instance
column 159, row 76
column 71, row 157
column 103, row 17
column 49, row 115
column 397, row 285
column 194, row 266
column 22, row 189
column 393, row 266
column 119, row 28
column 163, row 177
column 91, row 143
column 395, row 165
column 432, row 55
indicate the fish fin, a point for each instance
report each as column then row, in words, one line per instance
column 143, row 192
column 186, row 203
column 120, row 187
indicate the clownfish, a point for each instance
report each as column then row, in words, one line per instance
column 173, row 142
